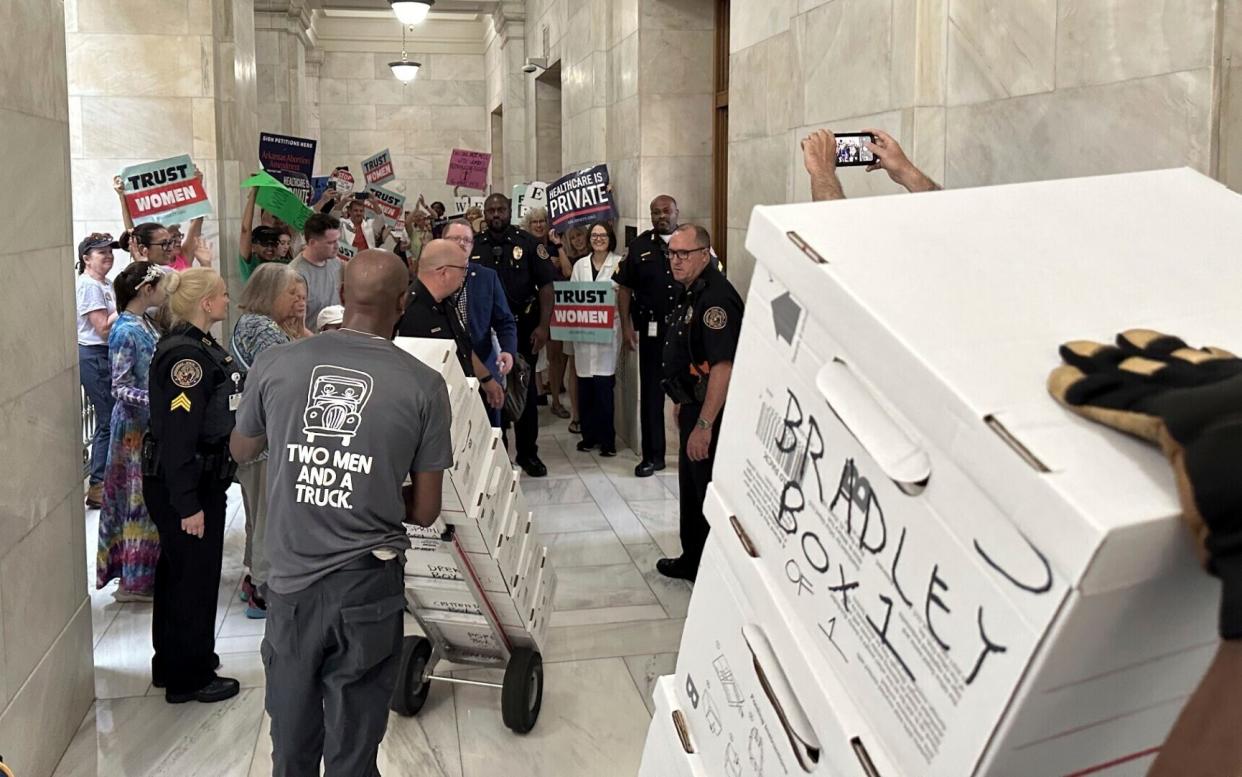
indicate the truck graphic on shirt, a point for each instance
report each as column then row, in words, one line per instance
column 335, row 402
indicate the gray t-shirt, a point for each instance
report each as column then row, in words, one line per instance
column 347, row 417
column 323, row 286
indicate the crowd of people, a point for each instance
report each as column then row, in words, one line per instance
column 182, row 416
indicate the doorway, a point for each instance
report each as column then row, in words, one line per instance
column 720, row 135
column 548, row 160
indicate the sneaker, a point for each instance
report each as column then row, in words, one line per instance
column 247, row 589
column 94, row 496
column 256, row 608
column 121, row 595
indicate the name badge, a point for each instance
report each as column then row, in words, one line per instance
column 234, row 402
column 652, row 328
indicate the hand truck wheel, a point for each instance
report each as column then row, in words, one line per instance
column 522, row 694
column 410, row 694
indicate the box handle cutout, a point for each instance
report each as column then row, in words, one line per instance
column 864, row 758
column 743, row 537
column 805, row 248
column 783, row 699
column 683, row 731
column 900, row 457
column 1024, row 453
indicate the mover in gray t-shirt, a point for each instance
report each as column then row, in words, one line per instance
column 346, row 416
column 318, row 265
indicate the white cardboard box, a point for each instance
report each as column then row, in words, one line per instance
column 468, row 479
column 434, row 559
column 516, row 557
column 455, row 596
column 441, row 356
column 889, row 439
column 665, row 753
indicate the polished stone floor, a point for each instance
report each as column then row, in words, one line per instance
column 616, row 627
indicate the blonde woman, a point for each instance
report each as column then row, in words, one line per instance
column 270, row 297
column 295, row 323
column 195, row 386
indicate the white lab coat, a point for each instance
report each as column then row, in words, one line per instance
column 369, row 228
column 591, row 359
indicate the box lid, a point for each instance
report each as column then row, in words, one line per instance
column 952, row 306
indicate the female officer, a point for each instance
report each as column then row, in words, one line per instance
column 194, row 389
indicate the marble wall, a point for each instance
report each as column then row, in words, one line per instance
column 282, row 48
column 364, row 109
column 152, row 80
column 46, row 671
column 979, row 92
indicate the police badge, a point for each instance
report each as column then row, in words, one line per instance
column 517, row 253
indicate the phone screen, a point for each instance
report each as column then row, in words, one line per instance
column 852, row 149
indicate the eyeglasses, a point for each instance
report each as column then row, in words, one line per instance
column 462, row 267
column 461, row 241
column 682, row 256
column 599, row 237
column 164, row 244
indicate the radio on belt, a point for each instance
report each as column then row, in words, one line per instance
column 478, row 584
column 939, row 571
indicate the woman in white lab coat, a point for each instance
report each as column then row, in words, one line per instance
column 596, row 363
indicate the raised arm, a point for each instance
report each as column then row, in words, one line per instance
column 119, row 186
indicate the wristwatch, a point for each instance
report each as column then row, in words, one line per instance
column 486, row 378
column 703, row 423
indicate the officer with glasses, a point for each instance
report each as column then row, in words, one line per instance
column 698, row 363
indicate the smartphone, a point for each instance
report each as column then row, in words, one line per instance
column 852, row 149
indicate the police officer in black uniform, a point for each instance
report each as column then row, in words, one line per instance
column 194, row 389
column 698, row 362
column 646, row 296
column 527, row 275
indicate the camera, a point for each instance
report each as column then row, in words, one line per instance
column 535, row 64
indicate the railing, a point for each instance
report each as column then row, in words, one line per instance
column 88, row 431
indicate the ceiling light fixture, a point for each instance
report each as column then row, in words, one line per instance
column 404, row 70
column 411, row 11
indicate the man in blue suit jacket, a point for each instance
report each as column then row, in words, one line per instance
column 483, row 305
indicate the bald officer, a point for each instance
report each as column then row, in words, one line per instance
column 346, row 416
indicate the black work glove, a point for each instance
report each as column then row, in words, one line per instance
column 1189, row 402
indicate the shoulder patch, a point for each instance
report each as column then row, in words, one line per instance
column 715, row 318
column 542, row 251
column 180, row 402
column 186, row 374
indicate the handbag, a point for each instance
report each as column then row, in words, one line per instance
column 516, row 384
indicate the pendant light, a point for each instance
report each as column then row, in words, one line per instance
column 411, row 11
column 404, row 70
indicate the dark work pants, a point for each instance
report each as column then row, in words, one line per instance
column 596, row 408
column 692, row 480
column 187, row 584
column 526, row 430
column 651, row 396
column 330, row 653
column 95, row 373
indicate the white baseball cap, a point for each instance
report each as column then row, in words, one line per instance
column 332, row 314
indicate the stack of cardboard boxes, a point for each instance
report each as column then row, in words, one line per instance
column 919, row 563
column 485, row 515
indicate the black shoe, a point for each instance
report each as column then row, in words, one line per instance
column 657, row 465
column 585, row 446
column 608, row 453
column 645, row 469
column 532, row 466
column 676, row 568
column 218, row 689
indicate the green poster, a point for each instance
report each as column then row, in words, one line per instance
column 275, row 198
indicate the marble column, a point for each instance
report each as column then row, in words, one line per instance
column 46, row 668
column 283, row 40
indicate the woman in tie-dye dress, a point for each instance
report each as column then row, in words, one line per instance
column 129, row 545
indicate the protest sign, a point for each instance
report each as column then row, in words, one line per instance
column 378, row 168
column 585, row 311
column 343, row 180
column 526, row 197
column 464, row 202
column 387, row 204
column 277, row 200
column 283, row 152
column 296, row 183
column 468, row 169
column 319, row 184
column 168, row 191
column 345, row 252
column 580, row 198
